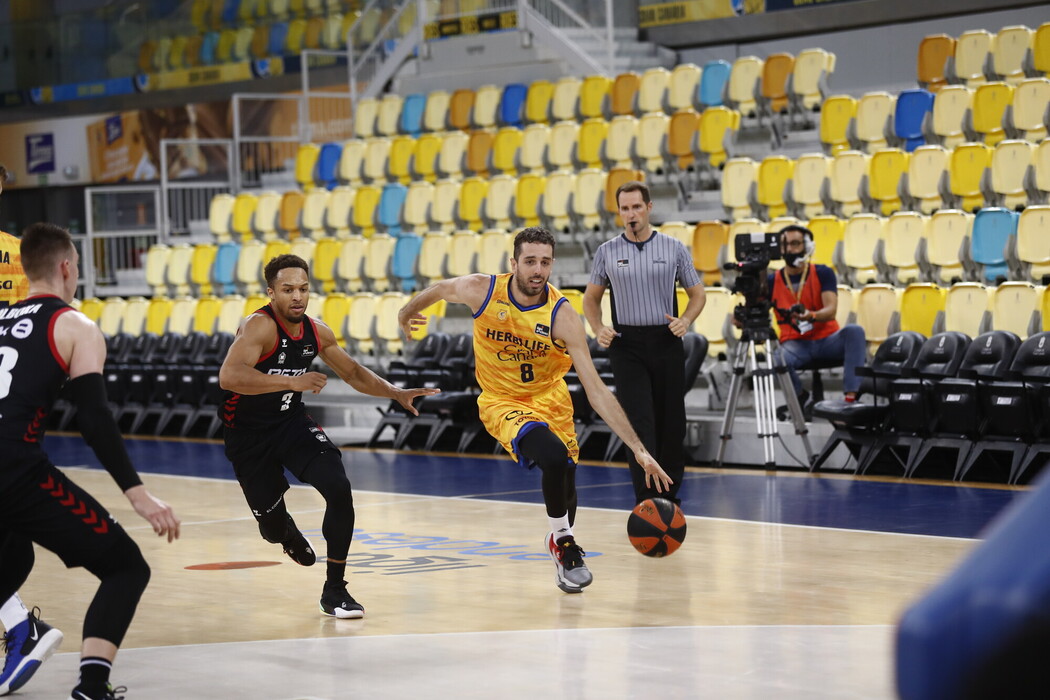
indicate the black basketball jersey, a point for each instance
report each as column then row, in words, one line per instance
column 289, row 356
column 31, row 370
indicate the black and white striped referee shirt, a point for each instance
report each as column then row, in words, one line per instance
column 642, row 277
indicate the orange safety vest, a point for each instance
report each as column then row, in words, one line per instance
column 784, row 297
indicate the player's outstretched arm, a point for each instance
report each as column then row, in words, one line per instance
column 569, row 329
column 255, row 337
column 360, row 377
column 471, row 290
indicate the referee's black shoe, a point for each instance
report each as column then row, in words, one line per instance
column 295, row 545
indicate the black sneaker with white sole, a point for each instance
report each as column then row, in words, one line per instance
column 337, row 602
column 110, row 693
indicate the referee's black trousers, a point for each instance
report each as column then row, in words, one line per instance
column 648, row 364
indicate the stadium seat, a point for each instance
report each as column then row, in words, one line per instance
column 1033, row 253
column 836, row 115
column 886, row 169
column 739, row 177
column 337, row 213
column 156, row 265
column 971, row 53
column 399, row 161
column 242, row 217
column 485, row 111
column 945, row 255
column 535, row 140
column 377, row 156
column 445, row 201
column 220, row 211
column 276, row 45
column 925, row 178
column 1014, row 307
column 352, row 161
column 587, row 201
column 804, row 190
column 1010, row 47
column 366, row 111
column 966, row 308
column 904, row 233
column 650, row 142
column 323, row 267
column 412, row 114
column 846, row 174
column 869, row 128
column 922, row 308
column 652, row 91
column 713, row 80
column 951, row 106
column 403, row 260
column 202, row 260
column 349, row 264
column 909, row 117
column 436, row 111
column 1004, row 185
column 595, row 93
column 288, row 216
column 965, row 170
column 496, row 209
column 828, row 232
column 419, row 200
column 463, row 253
column 565, row 99
column 538, row 102
column 433, row 252
column 985, row 122
column 512, row 105
column 622, row 94
column 461, row 108
column 450, row 159
column 423, row 163
column 934, row 52
column 390, row 207
column 478, row 152
column 716, row 136
column 860, row 238
column 504, row 153
column 305, row 164
column 773, row 85
column 878, row 311
column 561, row 146
column 362, row 214
column 994, row 229
column 682, row 88
column 315, row 207
column 375, row 271
column 774, row 172
column 709, row 238
column 389, row 114
column 177, row 274
column 591, row 145
column 1026, row 116
column 525, row 209
column 554, row 204
column 740, row 90
column 808, row 85
column 619, row 142
column 468, row 212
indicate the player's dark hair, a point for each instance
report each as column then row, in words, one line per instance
column 281, row 262
column 533, row 234
column 633, row 186
column 43, row 245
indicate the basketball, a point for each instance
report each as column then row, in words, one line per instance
column 656, row 527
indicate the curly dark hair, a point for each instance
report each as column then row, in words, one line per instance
column 281, row 262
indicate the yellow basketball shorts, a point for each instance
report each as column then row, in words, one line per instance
column 506, row 418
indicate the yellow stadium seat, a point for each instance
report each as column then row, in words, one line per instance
column 828, row 233
column 264, row 219
column 526, row 204
column 744, row 77
column 869, row 127
column 244, row 206
column 1010, row 163
column 486, row 106
column 885, row 170
column 681, row 90
column 845, row 175
column 877, row 305
column 809, row 78
column 496, row 209
column 157, row 257
column 535, row 140
column 348, row 266
column 592, row 136
column 1033, row 253
column 565, row 99
column 537, row 101
column 1026, row 117
column 965, row 170
column 807, row 184
column 934, row 51
column 450, row 157
column 836, row 115
column 219, row 213
column 965, row 308
column 365, row 113
column 595, row 93
column 861, row 236
column 418, row 202
column 946, row 233
column 716, row 133
column 398, row 165
column 362, row 214
column 709, row 238
column 231, row 313
column 378, row 251
column 921, row 306
column 424, row 158
column 433, row 252
column 1014, row 306
column 337, row 215
column 557, row 192
column 774, row 172
column 904, row 233
column 462, row 253
column 738, row 179
column 652, row 90
column 505, row 146
column 971, row 53
column 389, row 114
column 1010, row 46
column 989, row 104
column 926, row 169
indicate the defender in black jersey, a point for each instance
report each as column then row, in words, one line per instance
column 267, row 429
column 43, row 341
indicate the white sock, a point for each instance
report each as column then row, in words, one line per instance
column 560, row 527
column 13, row 612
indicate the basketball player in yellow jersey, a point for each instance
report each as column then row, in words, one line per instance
column 526, row 337
column 14, row 285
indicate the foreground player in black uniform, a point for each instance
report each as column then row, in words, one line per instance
column 42, row 342
column 267, row 429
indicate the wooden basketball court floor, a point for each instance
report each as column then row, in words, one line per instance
column 788, row 584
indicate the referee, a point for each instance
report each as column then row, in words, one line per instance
column 645, row 339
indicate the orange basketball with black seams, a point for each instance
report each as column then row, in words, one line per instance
column 656, row 527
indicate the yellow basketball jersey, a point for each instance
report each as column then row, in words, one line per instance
column 14, row 285
column 514, row 353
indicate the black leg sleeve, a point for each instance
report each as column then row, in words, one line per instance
column 559, row 475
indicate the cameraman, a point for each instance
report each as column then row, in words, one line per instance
column 810, row 332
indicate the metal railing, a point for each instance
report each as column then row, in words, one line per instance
column 185, row 200
column 122, row 223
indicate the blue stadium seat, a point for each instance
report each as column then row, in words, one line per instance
column 326, row 173
column 403, row 263
column 912, row 108
column 992, row 229
column 224, row 273
column 512, row 105
column 208, row 45
column 712, row 81
column 230, row 10
column 278, row 35
column 391, row 202
column 412, row 114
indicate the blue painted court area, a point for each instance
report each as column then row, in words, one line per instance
column 791, row 498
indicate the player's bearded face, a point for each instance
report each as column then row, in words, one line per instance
column 290, row 294
column 532, row 269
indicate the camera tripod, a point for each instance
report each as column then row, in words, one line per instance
column 747, row 361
